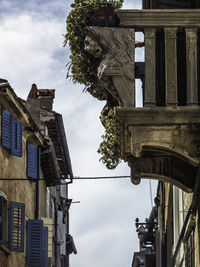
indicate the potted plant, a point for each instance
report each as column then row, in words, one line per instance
column 104, row 14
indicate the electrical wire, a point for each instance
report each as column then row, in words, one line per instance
column 101, row 177
column 75, row 178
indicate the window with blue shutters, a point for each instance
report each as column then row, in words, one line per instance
column 33, row 161
column 11, row 137
column 16, row 138
column 6, row 124
column 16, row 226
column 37, row 244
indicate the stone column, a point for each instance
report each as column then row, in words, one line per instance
column 191, row 63
column 150, row 67
column 170, row 67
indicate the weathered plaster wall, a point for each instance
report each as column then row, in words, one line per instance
column 22, row 191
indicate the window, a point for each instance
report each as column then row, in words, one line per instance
column 16, row 226
column 37, row 244
column 11, row 133
column 33, row 161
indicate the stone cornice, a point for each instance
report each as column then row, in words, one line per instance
column 159, row 18
column 159, row 115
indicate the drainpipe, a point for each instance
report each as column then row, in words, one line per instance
column 36, row 200
column 192, row 210
column 67, row 222
column 56, row 232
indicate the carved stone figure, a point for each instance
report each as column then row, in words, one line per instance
column 115, row 46
column 92, row 47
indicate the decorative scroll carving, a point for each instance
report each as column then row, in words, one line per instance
column 115, row 46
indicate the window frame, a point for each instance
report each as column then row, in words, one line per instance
column 16, row 226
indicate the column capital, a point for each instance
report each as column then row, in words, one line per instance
column 170, row 32
column 150, row 32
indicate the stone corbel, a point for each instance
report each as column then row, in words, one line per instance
column 115, row 47
column 163, row 168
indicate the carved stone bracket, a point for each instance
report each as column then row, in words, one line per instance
column 164, row 168
column 115, row 48
column 161, row 143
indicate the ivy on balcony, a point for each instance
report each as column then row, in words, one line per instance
column 83, row 67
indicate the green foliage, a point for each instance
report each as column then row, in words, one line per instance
column 84, row 69
column 83, row 66
column 108, row 147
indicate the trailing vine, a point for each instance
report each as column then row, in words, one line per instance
column 108, row 148
column 83, row 69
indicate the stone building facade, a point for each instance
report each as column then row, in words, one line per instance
column 30, row 181
column 161, row 139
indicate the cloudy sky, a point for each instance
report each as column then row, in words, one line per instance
column 31, row 51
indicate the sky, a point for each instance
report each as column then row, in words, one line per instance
column 31, row 51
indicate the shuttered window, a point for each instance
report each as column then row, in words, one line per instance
column 33, row 161
column 16, row 226
column 37, row 244
column 11, row 130
column 16, row 140
column 6, row 124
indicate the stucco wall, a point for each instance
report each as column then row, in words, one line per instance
column 23, row 191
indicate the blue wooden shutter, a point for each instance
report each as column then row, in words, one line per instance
column 16, row 139
column 35, row 239
column 6, row 129
column 45, row 246
column 16, row 229
column 1, row 219
column 32, row 161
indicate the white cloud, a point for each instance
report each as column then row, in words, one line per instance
column 132, row 4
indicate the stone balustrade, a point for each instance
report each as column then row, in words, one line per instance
column 171, row 22
column 160, row 140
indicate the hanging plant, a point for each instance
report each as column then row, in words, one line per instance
column 109, row 148
column 83, row 67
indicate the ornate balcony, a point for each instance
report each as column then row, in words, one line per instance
column 161, row 140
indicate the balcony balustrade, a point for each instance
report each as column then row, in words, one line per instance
column 161, row 140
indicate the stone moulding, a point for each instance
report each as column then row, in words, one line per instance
column 114, row 47
column 159, row 18
column 157, row 140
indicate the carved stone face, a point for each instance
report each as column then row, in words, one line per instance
column 92, row 47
